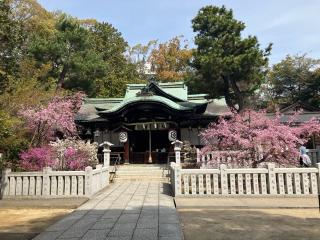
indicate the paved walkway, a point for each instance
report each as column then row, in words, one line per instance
column 123, row 211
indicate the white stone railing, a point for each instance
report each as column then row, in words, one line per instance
column 48, row 183
column 245, row 181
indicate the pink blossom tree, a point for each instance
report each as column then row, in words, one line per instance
column 55, row 117
column 66, row 154
column 250, row 138
column 36, row 159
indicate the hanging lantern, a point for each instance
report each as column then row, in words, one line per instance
column 172, row 135
column 123, row 137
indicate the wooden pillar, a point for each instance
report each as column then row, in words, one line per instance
column 150, row 151
column 126, row 152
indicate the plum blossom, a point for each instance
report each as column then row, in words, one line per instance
column 56, row 117
column 36, row 159
column 69, row 154
column 252, row 137
column 74, row 154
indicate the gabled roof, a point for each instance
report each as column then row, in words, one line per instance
column 176, row 91
column 171, row 96
column 155, row 95
column 169, row 103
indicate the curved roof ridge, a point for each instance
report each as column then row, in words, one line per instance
column 153, row 98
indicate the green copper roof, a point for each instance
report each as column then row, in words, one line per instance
column 147, row 97
column 153, row 98
column 176, row 89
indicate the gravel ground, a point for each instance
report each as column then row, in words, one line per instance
column 262, row 224
column 25, row 218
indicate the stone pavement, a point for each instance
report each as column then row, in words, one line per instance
column 138, row 210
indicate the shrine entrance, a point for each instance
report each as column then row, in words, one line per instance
column 142, row 143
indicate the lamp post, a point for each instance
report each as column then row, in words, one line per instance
column 150, row 155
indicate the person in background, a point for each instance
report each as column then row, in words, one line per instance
column 304, row 158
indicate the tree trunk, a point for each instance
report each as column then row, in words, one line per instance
column 62, row 78
column 227, row 94
column 238, row 95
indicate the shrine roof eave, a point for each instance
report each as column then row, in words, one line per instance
column 90, row 120
column 153, row 100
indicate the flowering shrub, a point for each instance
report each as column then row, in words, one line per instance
column 75, row 154
column 57, row 116
column 37, row 158
column 251, row 138
column 75, row 159
column 68, row 154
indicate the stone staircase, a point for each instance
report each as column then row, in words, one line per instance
column 138, row 172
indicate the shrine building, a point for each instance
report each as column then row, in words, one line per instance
column 143, row 123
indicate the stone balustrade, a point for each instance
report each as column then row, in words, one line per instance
column 245, row 181
column 48, row 183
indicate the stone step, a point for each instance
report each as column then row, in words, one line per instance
column 138, row 170
column 143, row 178
column 141, row 168
column 150, row 172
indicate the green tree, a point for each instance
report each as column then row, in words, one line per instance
column 296, row 78
column 108, row 42
column 19, row 94
column 11, row 41
column 74, row 63
column 34, row 17
column 227, row 64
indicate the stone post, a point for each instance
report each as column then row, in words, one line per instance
column 318, row 177
column 106, row 153
column 272, row 179
column 88, row 181
column 198, row 156
column 99, row 167
column 177, row 180
column 177, row 149
column 46, row 181
column 5, row 182
column 224, row 179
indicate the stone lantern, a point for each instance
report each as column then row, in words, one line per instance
column 177, row 149
column 106, row 153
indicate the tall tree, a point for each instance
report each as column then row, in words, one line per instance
column 227, row 64
column 74, row 63
column 34, row 17
column 108, row 42
column 296, row 78
column 11, row 41
column 170, row 60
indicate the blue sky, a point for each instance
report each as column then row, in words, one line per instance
column 291, row 25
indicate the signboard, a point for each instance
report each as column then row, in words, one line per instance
column 123, row 137
column 172, row 135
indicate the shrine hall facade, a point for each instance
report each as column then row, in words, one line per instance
column 143, row 123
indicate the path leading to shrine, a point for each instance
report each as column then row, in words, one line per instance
column 124, row 210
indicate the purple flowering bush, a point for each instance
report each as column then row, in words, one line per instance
column 68, row 154
column 76, row 159
column 37, row 158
